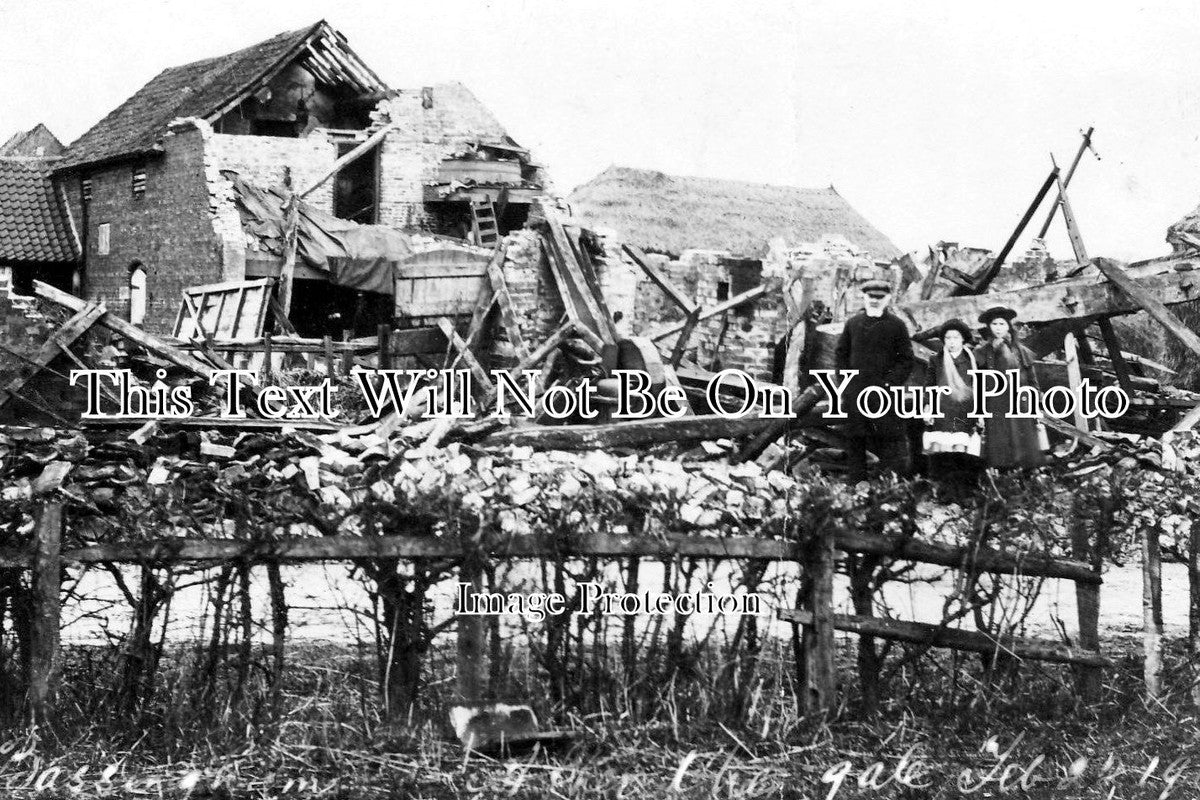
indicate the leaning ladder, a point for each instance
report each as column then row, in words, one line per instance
column 483, row 222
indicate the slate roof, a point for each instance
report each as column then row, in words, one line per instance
column 192, row 90
column 33, row 225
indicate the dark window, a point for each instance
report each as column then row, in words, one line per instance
column 722, row 291
column 138, row 182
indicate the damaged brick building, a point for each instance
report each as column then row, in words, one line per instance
column 148, row 187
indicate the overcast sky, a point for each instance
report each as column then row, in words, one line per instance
column 935, row 120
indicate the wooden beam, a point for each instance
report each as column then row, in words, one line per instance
column 47, row 584
column 708, row 313
column 343, row 548
column 79, row 324
column 662, row 281
column 508, row 311
column 1146, row 298
column 359, row 151
column 589, row 305
column 149, row 341
column 485, row 380
column 1116, row 355
column 954, row 638
column 627, row 433
column 685, row 334
column 993, row 269
column 1074, row 374
column 1076, row 298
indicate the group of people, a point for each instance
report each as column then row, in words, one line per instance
column 876, row 343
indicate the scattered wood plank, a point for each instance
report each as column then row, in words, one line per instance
column 1083, row 298
column 627, row 433
column 662, row 281
column 588, row 306
column 719, row 308
column 149, row 341
column 954, row 638
column 464, row 352
column 1145, row 298
column 79, row 324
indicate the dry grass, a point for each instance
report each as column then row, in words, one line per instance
column 678, row 739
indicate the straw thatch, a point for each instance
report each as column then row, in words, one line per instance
column 669, row 214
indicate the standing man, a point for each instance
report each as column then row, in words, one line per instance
column 876, row 343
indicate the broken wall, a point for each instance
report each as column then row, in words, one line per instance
column 430, row 125
column 168, row 228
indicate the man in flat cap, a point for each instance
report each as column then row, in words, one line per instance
column 876, row 343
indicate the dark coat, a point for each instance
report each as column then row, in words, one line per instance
column 1009, row 442
column 953, row 418
column 881, row 350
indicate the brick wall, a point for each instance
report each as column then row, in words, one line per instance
column 169, row 229
column 412, row 152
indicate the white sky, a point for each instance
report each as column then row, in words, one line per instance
column 934, row 119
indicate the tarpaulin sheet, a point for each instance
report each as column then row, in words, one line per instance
column 357, row 256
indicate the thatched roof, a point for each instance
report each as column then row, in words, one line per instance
column 669, row 214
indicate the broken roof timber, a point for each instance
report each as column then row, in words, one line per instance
column 1090, row 297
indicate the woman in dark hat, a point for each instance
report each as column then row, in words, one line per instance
column 1007, row 442
column 952, row 437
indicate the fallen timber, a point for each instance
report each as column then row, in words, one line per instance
column 1084, row 298
column 631, row 433
column 340, row 548
column 955, row 638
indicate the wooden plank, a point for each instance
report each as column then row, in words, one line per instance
column 1074, row 375
column 447, row 328
column 820, row 649
column 79, row 324
column 685, row 334
column 1147, row 299
column 589, row 306
column 1152, row 618
column 627, row 433
column 134, row 334
column 954, row 638
column 662, row 281
column 44, row 665
column 708, row 313
column 1087, row 604
column 990, row 272
column 508, row 311
column 216, row 423
column 350, row 157
column 1079, row 298
column 1067, row 429
column 342, row 548
column 1115, row 354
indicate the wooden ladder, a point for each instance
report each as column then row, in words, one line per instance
column 483, row 222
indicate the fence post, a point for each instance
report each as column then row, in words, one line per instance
column 327, row 343
column 47, row 576
column 820, row 679
column 473, row 669
column 1087, row 604
column 1152, row 612
column 385, row 341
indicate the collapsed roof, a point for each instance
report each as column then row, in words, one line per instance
column 207, row 89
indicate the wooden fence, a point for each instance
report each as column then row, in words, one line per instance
column 816, row 556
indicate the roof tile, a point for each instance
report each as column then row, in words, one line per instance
column 33, row 226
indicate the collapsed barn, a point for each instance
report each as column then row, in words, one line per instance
column 281, row 210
